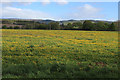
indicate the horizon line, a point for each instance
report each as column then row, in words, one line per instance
column 59, row 20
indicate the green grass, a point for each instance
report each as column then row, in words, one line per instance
column 59, row 54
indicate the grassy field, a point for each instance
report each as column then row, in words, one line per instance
column 59, row 54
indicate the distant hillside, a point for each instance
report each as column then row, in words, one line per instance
column 72, row 21
column 65, row 22
column 101, row 25
column 45, row 21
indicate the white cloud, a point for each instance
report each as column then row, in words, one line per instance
column 6, row 4
column 11, row 12
column 25, row 3
column 61, row 2
column 44, row 2
column 88, row 8
column 84, row 12
column 19, row 0
column 28, row 2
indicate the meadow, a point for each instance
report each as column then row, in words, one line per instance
column 59, row 54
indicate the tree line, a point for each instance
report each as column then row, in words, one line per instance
column 86, row 25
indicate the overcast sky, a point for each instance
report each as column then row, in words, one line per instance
column 60, row 10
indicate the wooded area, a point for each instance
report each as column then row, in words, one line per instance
column 56, row 25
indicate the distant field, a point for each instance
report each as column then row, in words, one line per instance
column 59, row 54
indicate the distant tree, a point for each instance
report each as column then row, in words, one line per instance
column 4, row 27
column 16, row 27
column 62, row 26
column 69, row 26
column 87, row 25
column 10, row 27
column 44, row 26
column 78, row 25
column 54, row 26
column 100, row 26
column 7, row 21
column 106, row 26
column 112, row 27
column 116, row 25
column 29, row 26
column 23, row 27
column 94, row 27
column 41, row 26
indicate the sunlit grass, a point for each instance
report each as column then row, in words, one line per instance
column 53, row 53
